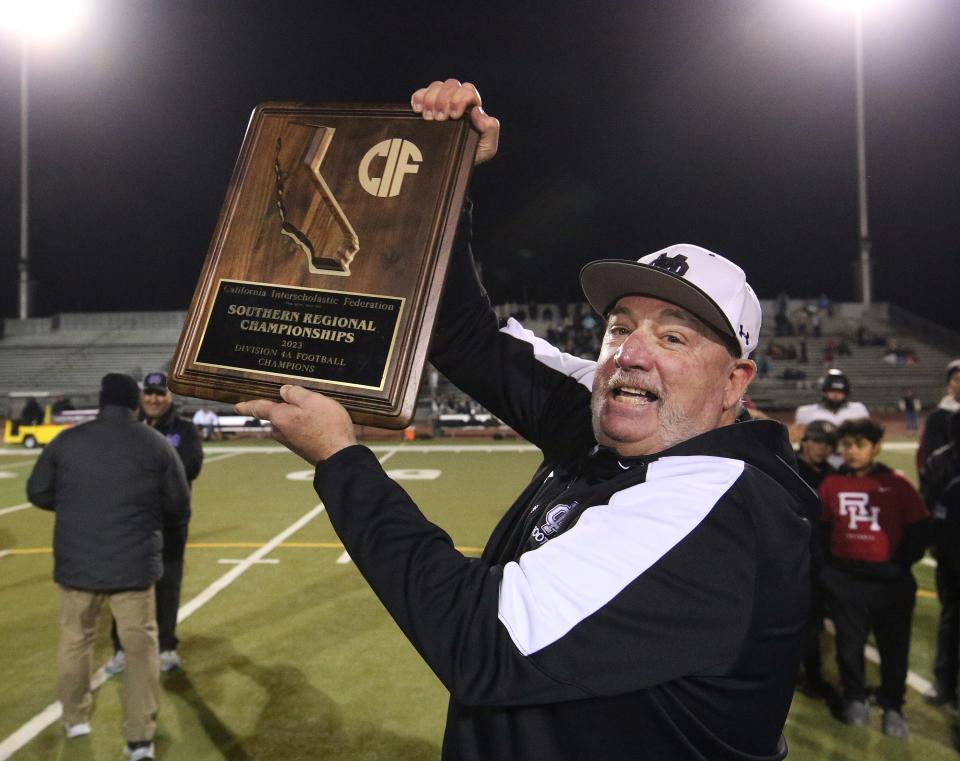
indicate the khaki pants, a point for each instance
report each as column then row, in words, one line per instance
column 135, row 614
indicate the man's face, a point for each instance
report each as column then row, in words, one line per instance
column 816, row 452
column 858, row 452
column 834, row 397
column 155, row 403
column 953, row 386
column 662, row 377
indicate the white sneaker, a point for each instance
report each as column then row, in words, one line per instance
column 116, row 664
column 143, row 753
column 170, row 660
column 76, row 730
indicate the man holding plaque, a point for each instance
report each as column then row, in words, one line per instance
column 645, row 596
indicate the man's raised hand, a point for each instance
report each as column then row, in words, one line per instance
column 439, row 101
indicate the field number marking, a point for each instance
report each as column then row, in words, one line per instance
column 414, row 474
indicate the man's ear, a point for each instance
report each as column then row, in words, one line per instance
column 742, row 371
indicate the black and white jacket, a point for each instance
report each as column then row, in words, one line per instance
column 642, row 608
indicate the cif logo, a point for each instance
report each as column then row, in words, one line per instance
column 402, row 158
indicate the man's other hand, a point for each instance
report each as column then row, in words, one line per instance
column 439, row 101
column 308, row 423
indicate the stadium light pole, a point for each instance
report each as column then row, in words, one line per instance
column 23, row 264
column 30, row 20
column 866, row 284
column 857, row 8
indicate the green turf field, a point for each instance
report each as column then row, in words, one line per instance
column 288, row 655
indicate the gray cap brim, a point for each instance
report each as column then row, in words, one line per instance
column 605, row 280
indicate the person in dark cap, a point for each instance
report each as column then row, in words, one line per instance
column 113, row 484
column 646, row 595
column 819, row 442
column 157, row 410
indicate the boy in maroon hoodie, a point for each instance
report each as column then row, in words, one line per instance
column 878, row 530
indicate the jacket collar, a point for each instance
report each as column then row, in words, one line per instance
column 116, row 412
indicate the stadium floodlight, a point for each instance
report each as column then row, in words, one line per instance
column 33, row 20
column 855, row 6
column 41, row 19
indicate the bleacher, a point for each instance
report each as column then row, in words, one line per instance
column 69, row 353
column 876, row 382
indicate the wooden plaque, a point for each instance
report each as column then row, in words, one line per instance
column 328, row 259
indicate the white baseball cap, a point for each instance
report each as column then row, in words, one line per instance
column 709, row 286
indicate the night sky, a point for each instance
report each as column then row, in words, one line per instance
column 626, row 126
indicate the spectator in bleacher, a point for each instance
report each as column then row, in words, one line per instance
column 829, row 351
column 936, row 432
column 834, row 406
column 878, row 529
column 940, row 487
column 113, row 487
column 205, row 419
column 32, row 413
column 158, row 411
column 825, row 305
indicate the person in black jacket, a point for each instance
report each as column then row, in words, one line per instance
column 819, row 442
column 113, row 485
column 936, row 431
column 645, row 596
column 32, row 413
column 940, row 487
column 158, row 411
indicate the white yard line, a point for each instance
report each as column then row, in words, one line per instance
column 220, row 456
column 234, row 573
column 234, row 561
column 15, row 508
column 900, row 446
column 344, row 558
